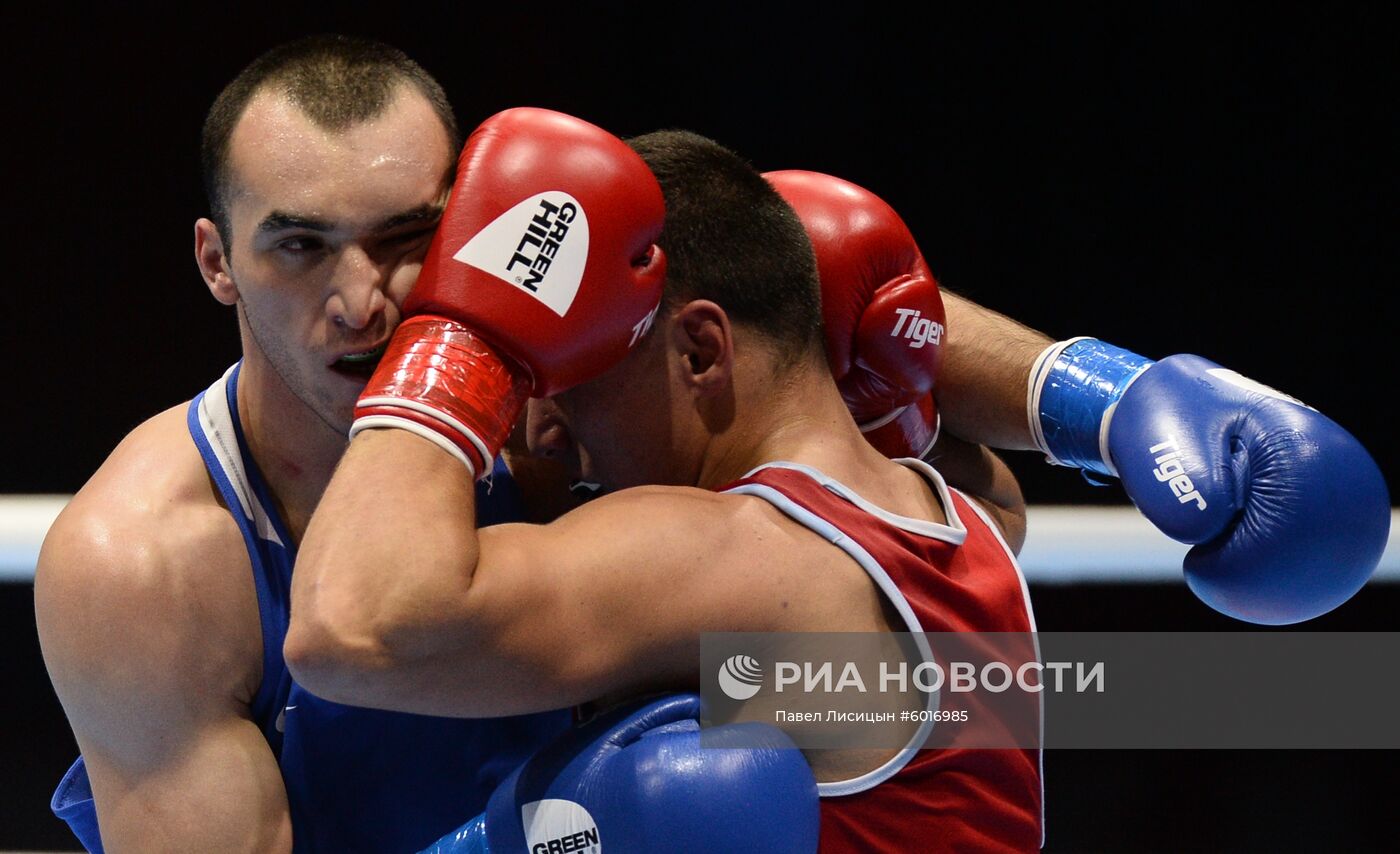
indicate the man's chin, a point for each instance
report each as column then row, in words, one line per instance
column 338, row 416
column 338, row 409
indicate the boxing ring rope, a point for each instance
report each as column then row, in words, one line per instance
column 1064, row 544
column 24, row 519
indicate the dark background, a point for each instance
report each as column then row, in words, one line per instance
column 1177, row 179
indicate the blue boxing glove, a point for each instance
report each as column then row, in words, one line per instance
column 1288, row 513
column 637, row 780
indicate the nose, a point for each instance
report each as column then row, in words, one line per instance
column 546, row 434
column 357, row 297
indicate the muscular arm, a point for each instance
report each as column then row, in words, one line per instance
column 154, row 688
column 987, row 361
column 424, row 613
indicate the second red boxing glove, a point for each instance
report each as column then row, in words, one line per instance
column 881, row 308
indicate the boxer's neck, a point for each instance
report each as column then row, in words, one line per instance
column 295, row 450
column 799, row 417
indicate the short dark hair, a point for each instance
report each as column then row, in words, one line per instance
column 336, row 80
column 731, row 238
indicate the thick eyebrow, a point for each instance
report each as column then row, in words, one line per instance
column 281, row 220
column 425, row 213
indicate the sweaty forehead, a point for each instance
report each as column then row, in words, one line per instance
column 280, row 159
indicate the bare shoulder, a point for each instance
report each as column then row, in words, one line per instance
column 143, row 583
column 677, row 518
column 737, row 561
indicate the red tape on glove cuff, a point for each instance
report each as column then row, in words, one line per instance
column 452, row 382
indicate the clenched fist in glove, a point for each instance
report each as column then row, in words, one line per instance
column 543, row 273
column 881, row 309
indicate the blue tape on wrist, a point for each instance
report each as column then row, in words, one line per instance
column 1084, row 380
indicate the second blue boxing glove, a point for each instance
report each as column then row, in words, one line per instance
column 638, row 780
column 1287, row 512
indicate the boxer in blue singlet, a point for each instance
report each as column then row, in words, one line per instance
column 162, row 592
column 356, row 778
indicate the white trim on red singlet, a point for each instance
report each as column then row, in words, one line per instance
column 955, row 532
column 1035, row 639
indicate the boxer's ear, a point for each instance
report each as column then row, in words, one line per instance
column 704, row 340
column 213, row 263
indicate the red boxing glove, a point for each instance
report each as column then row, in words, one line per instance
column 542, row 274
column 881, row 307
